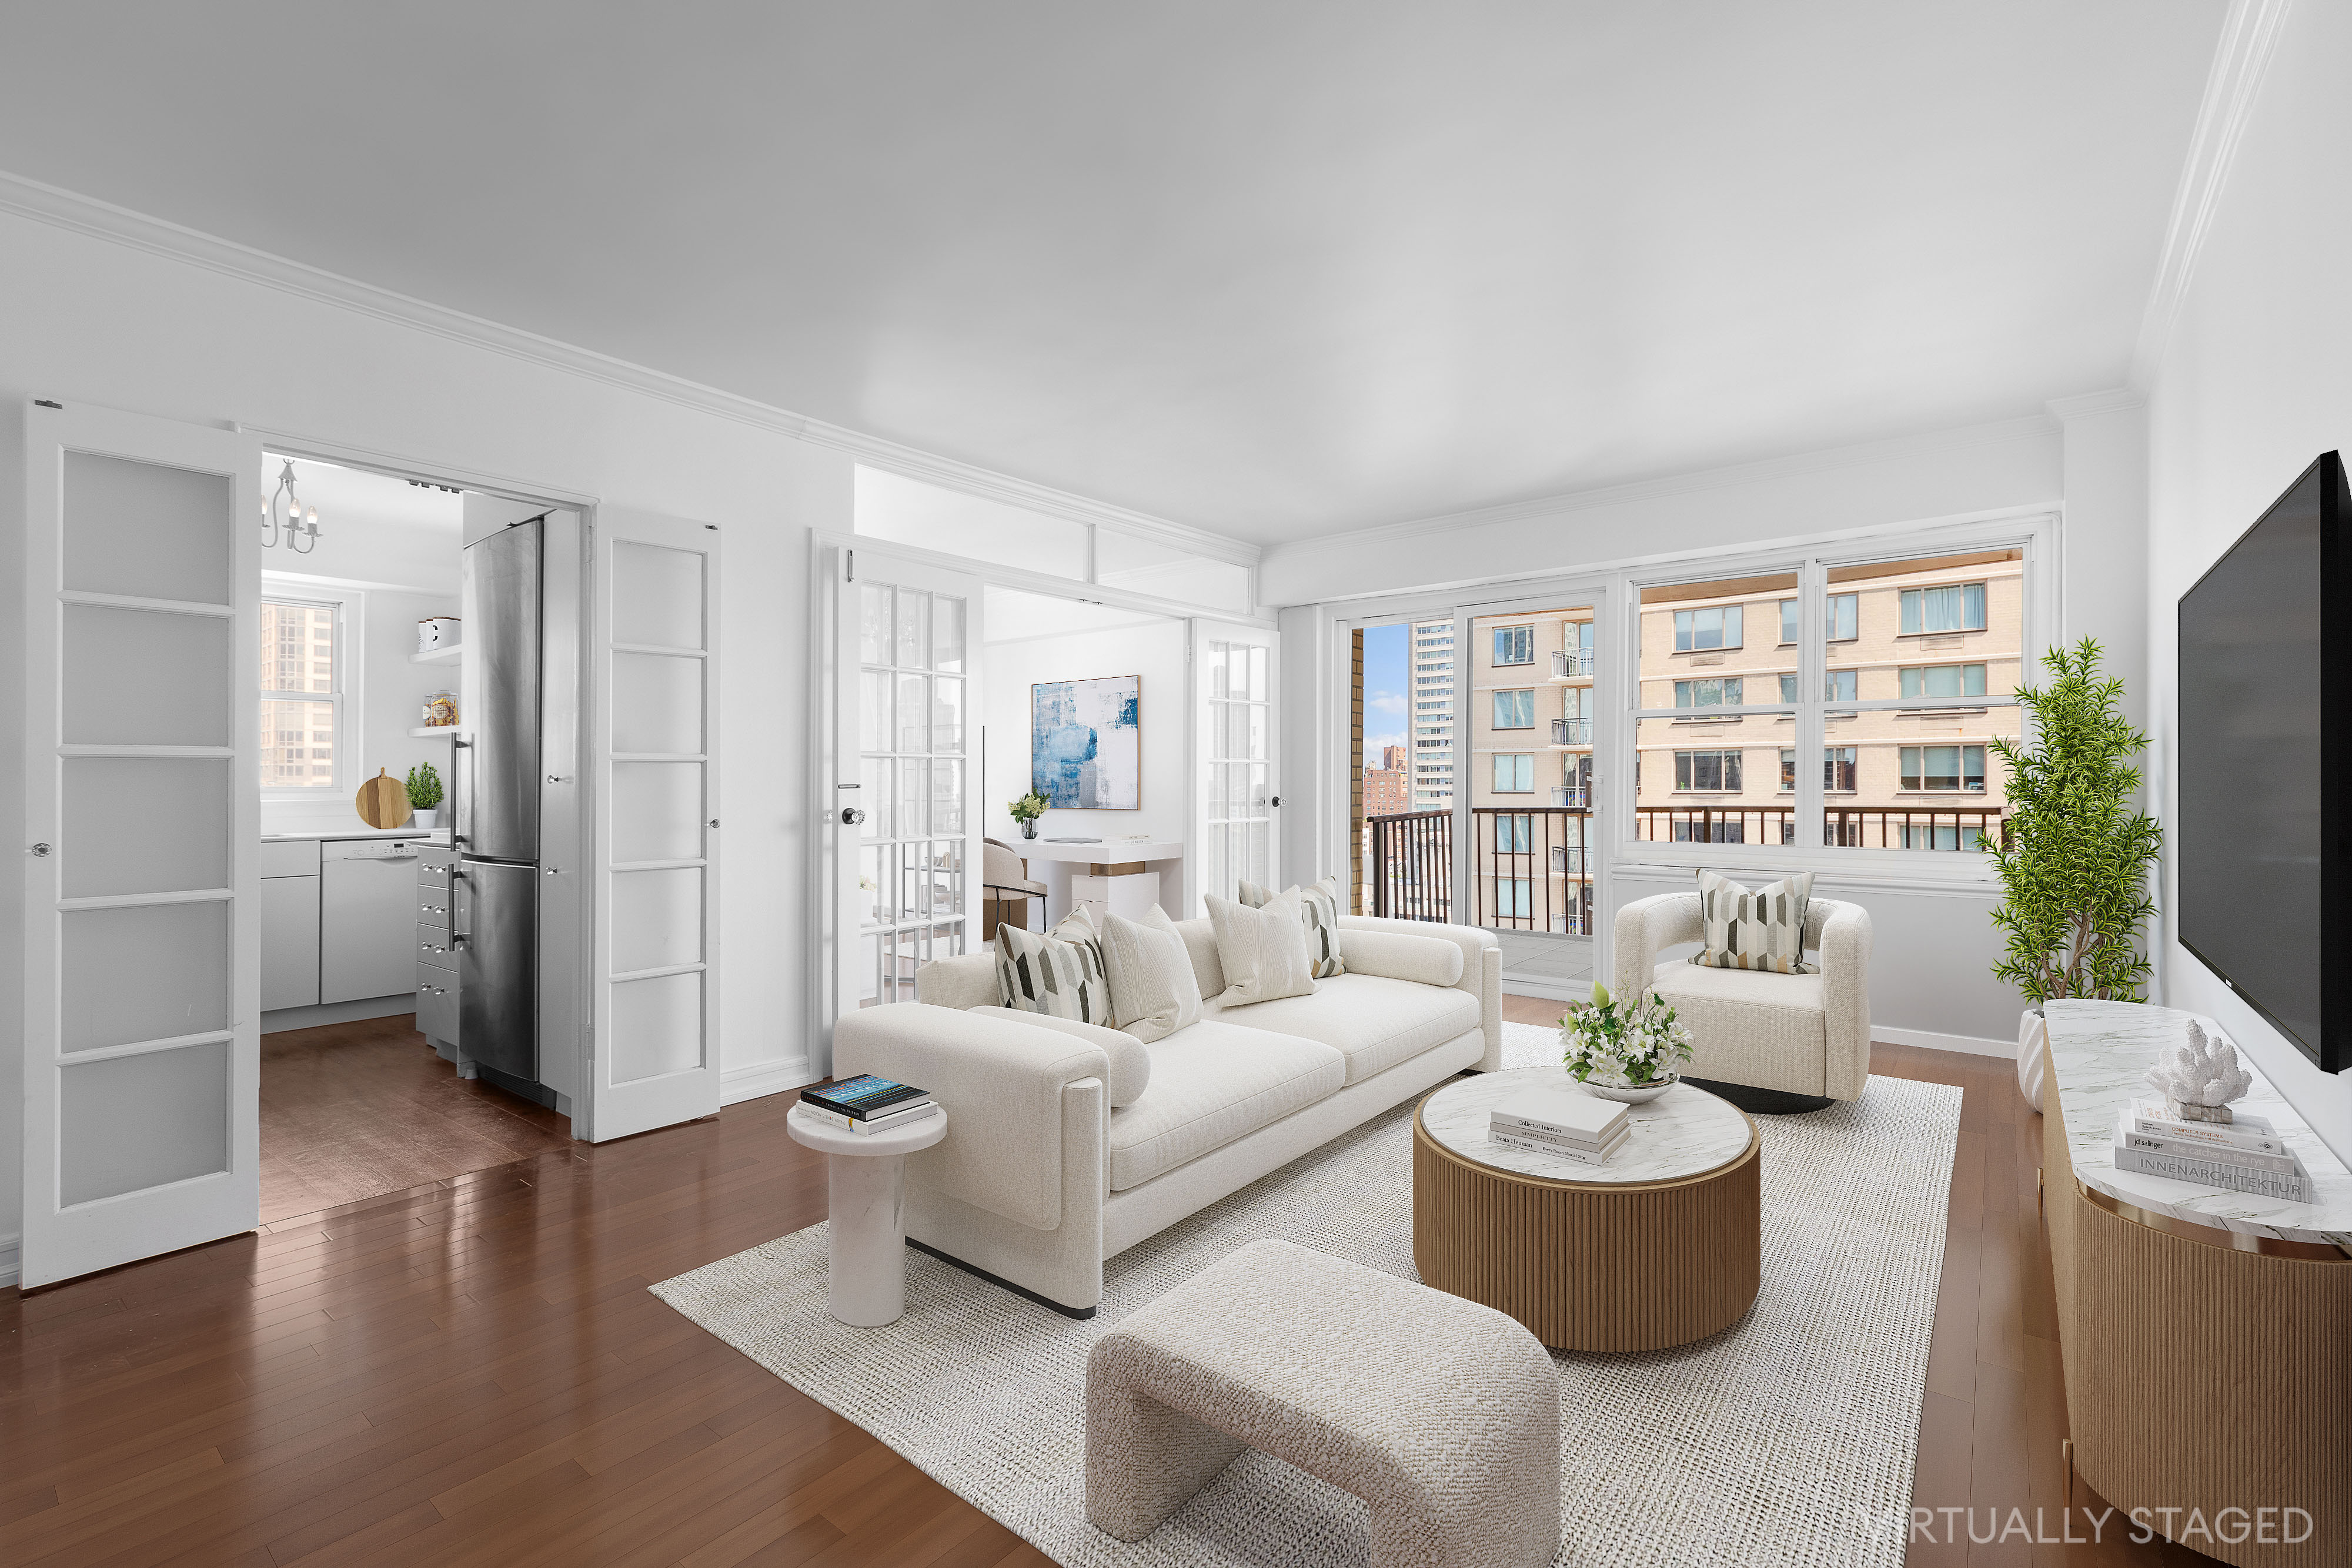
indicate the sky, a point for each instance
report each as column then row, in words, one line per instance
column 1388, row 680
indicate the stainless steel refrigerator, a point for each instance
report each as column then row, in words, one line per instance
column 494, row 797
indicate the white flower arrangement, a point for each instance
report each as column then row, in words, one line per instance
column 1626, row 1049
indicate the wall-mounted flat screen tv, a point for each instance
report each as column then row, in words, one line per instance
column 2264, row 767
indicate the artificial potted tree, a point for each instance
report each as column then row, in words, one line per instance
column 424, row 795
column 2077, row 852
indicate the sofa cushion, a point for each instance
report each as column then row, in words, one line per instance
column 1201, row 946
column 1371, row 1021
column 1211, row 1083
column 1750, row 1026
column 1060, row 973
column 1263, row 951
column 1429, row 960
column 1130, row 1064
column 1151, row 986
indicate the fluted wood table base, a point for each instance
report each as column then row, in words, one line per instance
column 1590, row 1265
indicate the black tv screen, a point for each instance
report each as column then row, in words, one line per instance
column 2263, row 746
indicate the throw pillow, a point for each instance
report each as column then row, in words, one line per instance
column 1251, row 894
column 1263, row 951
column 1760, row 928
column 1319, row 907
column 1151, row 986
column 1059, row 974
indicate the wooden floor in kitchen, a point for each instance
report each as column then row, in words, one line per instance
column 472, row 1373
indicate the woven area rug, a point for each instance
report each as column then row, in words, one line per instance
column 1789, row 1438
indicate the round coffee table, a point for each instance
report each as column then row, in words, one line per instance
column 1660, row 1246
column 866, row 1211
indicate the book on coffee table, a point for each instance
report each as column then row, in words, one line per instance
column 1566, row 1148
column 1563, row 1113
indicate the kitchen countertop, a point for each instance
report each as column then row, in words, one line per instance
column 435, row 836
column 2099, row 1055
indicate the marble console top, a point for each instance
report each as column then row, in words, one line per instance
column 1685, row 1132
column 2099, row 1053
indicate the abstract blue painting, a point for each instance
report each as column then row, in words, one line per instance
column 1085, row 747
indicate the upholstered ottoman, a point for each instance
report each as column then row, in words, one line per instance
column 1440, row 1414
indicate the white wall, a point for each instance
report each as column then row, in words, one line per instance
column 1154, row 651
column 86, row 318
column 2251, row 387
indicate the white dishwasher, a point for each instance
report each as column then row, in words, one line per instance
column 367, row 918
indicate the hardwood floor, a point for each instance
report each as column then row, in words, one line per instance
column 472, row 1373
column 355, row 1110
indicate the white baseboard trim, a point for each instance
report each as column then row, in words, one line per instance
column 761, row 1078
column 1974, row 1045
column 338, row 1012
column 11, row 1260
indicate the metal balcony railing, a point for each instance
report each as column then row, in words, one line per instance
column 1523, row 871
column 1843, row 827
column 1572, row 663
column 1571, row 732
column 1572, row 798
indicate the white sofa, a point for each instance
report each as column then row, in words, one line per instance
column 1039, row 1178
column 1806, row 1035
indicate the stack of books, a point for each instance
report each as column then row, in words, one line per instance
column 1563, row 1122
column 868, row 1104
column 2245, row 1155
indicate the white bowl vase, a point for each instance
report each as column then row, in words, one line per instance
column 1631, row 1093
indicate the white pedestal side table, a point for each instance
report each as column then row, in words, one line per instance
column 865, row 1214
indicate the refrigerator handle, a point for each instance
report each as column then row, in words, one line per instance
column 461, row 797
column 460, row 917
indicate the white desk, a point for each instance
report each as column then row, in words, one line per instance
column 1053, row 864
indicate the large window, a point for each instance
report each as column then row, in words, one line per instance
column 301, row 694
column 1698, row 630
column 1515, row 644
column 1959, row 768
column 1943, row 681
column 1838, row 768
column 1515, row 775
column 1514, row 710
column 1709, row 772
column 1959, row 607
column 1711, row 691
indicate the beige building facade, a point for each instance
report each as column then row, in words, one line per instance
column 1528, row 697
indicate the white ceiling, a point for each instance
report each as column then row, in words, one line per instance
column 1015, row 616
column 1272, row 271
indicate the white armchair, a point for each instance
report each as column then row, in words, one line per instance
column 1803, row 1035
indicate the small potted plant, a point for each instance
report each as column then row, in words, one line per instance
column 1632, row 1053
column 1027, row 810
column 424, row 795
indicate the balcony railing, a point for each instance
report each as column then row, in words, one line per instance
column 1571, row 732
column 1843, row 827
column 1526, row 868
column 1572, row 798
column 1412, row 866
column 1572, row 663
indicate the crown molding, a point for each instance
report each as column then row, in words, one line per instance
column 2029, row 427
column 2115, row 399
column 72, row 211
column 2249, row 36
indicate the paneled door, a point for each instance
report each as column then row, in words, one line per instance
column 1233, row 671
column 141, row 838
column 653, row 749
column 907, row 808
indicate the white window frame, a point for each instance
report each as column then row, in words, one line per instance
column 350, row 605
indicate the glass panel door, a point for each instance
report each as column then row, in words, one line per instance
column 1234, row 669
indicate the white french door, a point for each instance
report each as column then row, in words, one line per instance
column 141, row 838
column 1235, row 676
column 654, row 1038
column 905, row 815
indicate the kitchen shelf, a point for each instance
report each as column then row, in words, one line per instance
column 448, row 656
column 429, row 731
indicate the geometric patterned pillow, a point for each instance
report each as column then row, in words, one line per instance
column 1059, row 974
column 1757, row 928
column 1321, row 913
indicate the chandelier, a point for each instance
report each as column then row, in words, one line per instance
column 297, row 524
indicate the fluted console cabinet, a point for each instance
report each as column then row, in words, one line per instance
column 2206, row 1334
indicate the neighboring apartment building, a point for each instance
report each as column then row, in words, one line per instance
column 1431, row 717
column 1947, row 631
column 1530, row 769
column 1388, row 791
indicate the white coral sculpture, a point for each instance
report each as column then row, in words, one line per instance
column 2200, row 1071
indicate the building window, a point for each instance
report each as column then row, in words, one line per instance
column 1514, row 710
column 301, row 694
column 1515, row 775
column 1696, row 630
column 1513, row 835
column 1943, row 681
column 1515, row 897
column 1712, row 691
column 1959, row 607
column 1842, row 618
column 1515, row 644
column 1961, row 768
column 1714, row 772
column 1837, row 687
column 1840, row 768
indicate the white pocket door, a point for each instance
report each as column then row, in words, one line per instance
column 142, row 838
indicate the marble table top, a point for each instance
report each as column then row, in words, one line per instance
column 2099, row 1054
column 905, row 1138
column 1685, row 1132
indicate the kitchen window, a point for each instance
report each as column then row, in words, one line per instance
column 1698, row 631
column 1514, row 710
column 301, row 694
column 1515, row 644
column 1943, row 681
column 1957, row 767
column 1515, row 775
column 1710, row 772
column 1958, row 608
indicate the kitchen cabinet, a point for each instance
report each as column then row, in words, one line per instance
column 290, row 925
column 367, row 918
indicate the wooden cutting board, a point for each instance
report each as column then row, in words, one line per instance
column 383, row 801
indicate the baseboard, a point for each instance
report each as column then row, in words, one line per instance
column 11, row 1260
column 1973, row 1045
column 761, row 1078
column 338, row 1012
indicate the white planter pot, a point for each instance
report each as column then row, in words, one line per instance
column 423, row 818
column 2032, row 1055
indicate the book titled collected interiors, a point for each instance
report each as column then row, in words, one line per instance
column 1559, row 1121
column 867, row 1103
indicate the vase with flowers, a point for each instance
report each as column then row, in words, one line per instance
column 1617, row 1052
column 1027, row 810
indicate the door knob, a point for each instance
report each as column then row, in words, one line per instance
column 851, row 816
column 40, row 851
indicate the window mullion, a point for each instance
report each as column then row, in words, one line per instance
column 1812, row 674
